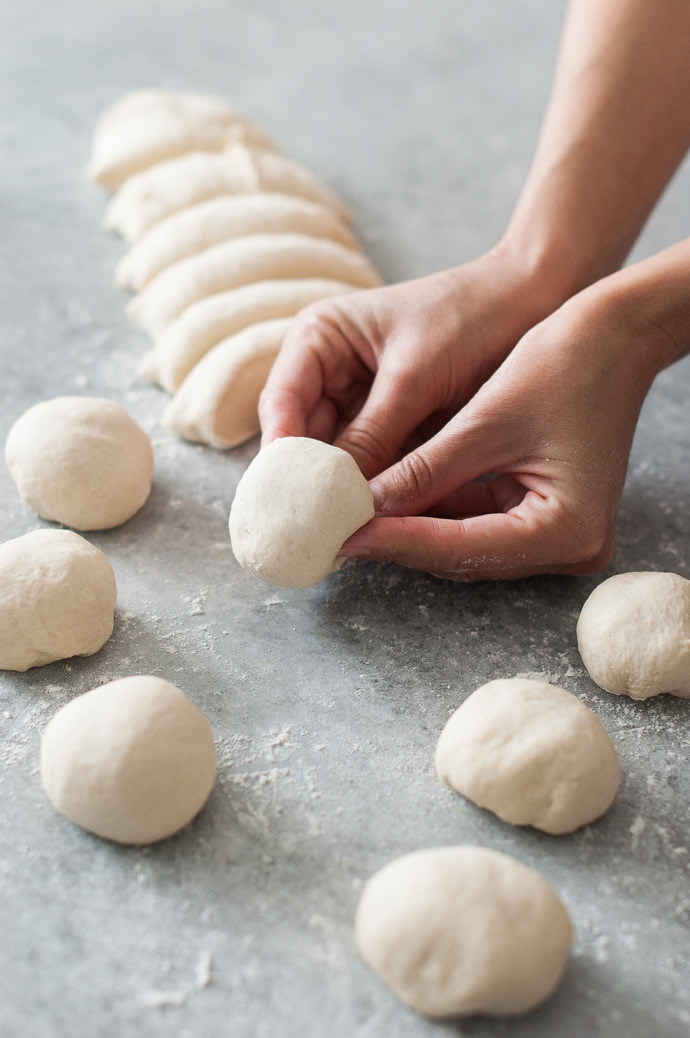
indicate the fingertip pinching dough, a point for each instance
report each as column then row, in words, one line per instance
column 57, row 599
column 80, row 461
column 633, row 634
column 294, row 507
column 132, row 761
column 530, row 752
column 458, row 931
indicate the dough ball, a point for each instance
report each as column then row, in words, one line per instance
column 634, row 635
column 455, row 931
column 295, row 506
column 530, row 752
column 132, row 761
column 57, row 599
column 80, row 461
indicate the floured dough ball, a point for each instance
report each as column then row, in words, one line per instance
column 132, row 761
column 455, row 931
column 80, row 461
column 295, row 506
column 634, row 635
column 530, row 752
column 57, row 599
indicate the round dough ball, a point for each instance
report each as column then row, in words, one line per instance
column 80, row 461
column 455, row 931
column 633, row 634
column 132, row 761
column 295, row 506
column 57, row 599
column 530, row 752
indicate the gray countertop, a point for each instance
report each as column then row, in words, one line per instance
column 326, row 704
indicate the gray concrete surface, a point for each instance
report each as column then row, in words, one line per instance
column 326, row 704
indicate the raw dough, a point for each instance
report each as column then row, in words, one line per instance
column 634, row 635
column 530, row 752
column 217, row 403
column 455, row 931
column 80, row 461
column 253, row 257
column 132, row 761
column 57, row 599
column 155, row 193
column 197, row 227
column 295, row 506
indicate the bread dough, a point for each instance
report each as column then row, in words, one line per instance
column 80, row 461
column 207, row 322
column 57, row 599
column 455, row 931
column 633, row 634
column 295, row 506
column 530, row 752
column 132, row 761
column 197, row 227
column 253, row 257
column 147, row 126
column 155, row 193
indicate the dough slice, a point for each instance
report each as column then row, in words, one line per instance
column 254, row 257
column 208, row 321
column 217, row 402
column 148, row 126
column 197, row 227
column 160, row 190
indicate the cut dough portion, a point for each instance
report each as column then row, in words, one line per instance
column 155, row 193
column 210, row 320
column 57, row 599
column 294, row 507
column 195, row 228
column 217, row 402
column 148, row 126
column 254, row 257
column 80, row 461
column 634, row 635
column 455, row 931
column 530, row 752
column 131, row 761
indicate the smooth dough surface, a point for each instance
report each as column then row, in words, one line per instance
column 530, row 752
column 633, row 634
column 457, row 931
column 294, row 507
column 80, row 461
column 132, row 761
column 57, row 599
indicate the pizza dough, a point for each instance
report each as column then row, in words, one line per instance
column 57, row 599
column 80, row 461
column 295, row 506
column 132, row 761
column 633, row 634
column 455, row 931
column 530, row 752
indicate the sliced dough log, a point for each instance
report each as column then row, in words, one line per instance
column 254, row 257
column 217, row 402
column 197, row 227
column 148, row 126
column 160, row 190
column 205, row 323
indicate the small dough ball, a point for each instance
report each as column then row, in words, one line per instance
column 132, row 761
column 455, row 931
column 530, row 752
column 57, row 599
column 634, row 635
column 295, row 506
column 80, row 461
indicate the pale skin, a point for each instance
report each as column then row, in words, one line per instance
column 528, row 366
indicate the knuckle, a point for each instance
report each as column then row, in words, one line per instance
column 414, row 476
